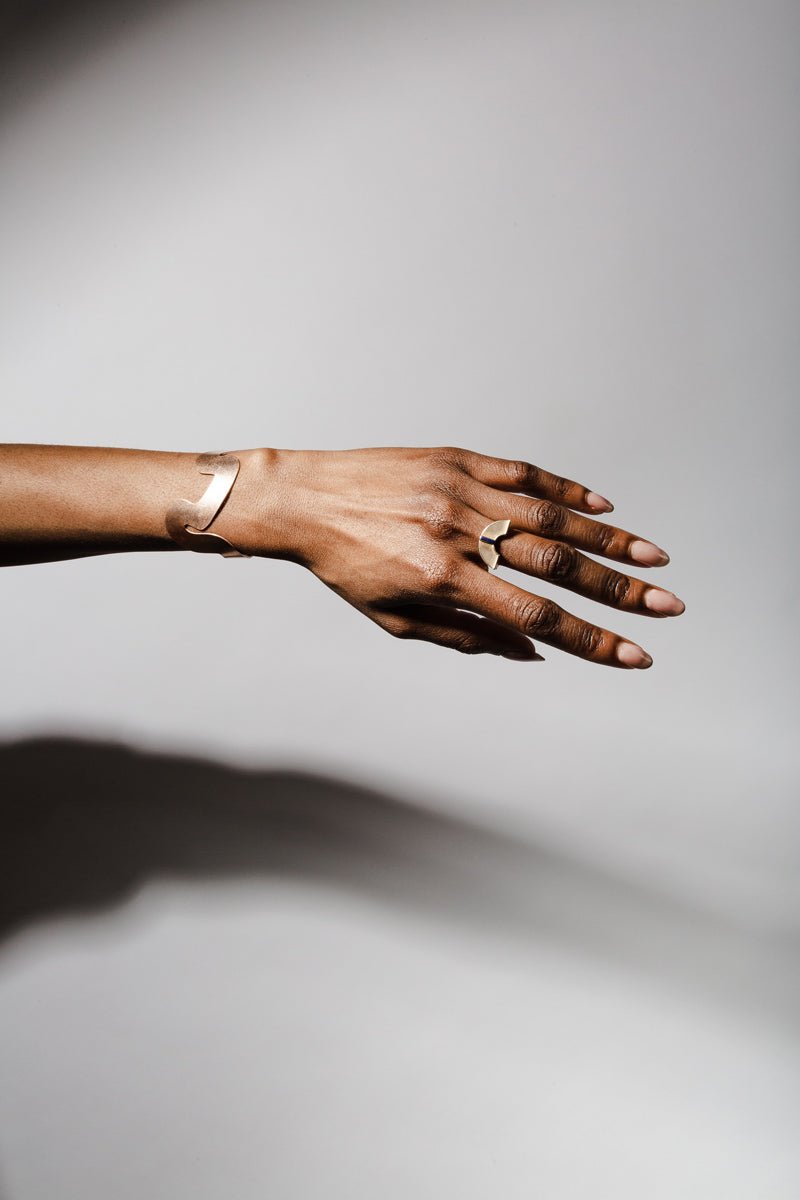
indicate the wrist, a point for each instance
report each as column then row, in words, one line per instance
column 258, row 516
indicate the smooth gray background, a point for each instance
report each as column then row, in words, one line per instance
column 351, row 916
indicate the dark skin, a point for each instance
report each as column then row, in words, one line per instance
column 394, row 531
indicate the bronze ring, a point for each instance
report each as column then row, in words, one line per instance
column 487, row 542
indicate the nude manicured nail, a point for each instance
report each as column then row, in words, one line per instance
column 659, row 601
column 648, row 554
column 598, row 503
column 631, row 655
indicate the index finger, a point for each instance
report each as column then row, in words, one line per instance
column 517, row 475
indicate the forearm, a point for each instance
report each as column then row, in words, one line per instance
column 59, row 502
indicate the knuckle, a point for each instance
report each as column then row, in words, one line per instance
column 449, row 482
column 437, row 482
column 547, row 518
column 605, row 537
column 589, row 640
column 467, row 643
column 616, row 588
column 519, row 472
column 536, row 615
column 439, row 575
column 447, row 457
column 561, row 487
column 442, row 516
column 557, row 561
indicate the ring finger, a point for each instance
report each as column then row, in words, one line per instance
column 542, row 619
column 547, row 519
column 561, row 564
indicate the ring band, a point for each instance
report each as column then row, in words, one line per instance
column 487, row 542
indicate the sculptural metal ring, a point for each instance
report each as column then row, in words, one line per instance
column 487, row 542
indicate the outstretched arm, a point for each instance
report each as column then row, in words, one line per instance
column 60, row 502
column 394, row 531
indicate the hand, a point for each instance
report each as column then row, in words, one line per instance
column 395, row 533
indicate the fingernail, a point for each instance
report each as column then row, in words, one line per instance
column 598, row 503
column 631, row 655
column 522, row 655
column 648, row 554
column 659, row 601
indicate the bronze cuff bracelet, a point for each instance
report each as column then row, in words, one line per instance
column 188, row 520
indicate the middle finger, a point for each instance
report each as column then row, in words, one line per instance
column 550, row 520
column 565, row 566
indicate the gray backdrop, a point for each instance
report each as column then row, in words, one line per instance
column 296, row 910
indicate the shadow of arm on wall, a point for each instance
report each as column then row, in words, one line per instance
column 83, row 825
column 42, row 41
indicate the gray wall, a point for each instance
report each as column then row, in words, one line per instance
column 337, row 916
